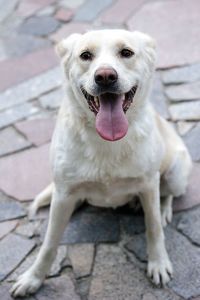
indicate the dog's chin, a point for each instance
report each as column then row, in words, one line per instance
column 110, row 112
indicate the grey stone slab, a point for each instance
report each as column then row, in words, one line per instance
column 158, row 98
column 90, row 228
column 11, row 141
column 185, row 74
column 189, row 224
column 29, row 229
column 11, row 115
column 132, row 224
column 81, row 257
column 188, row 91
column 185, row 111
column 31, row 88
column 18, row 249
column 47, row 11
column 6, row 227
column 185, row 258
column 52, row 100
column 192, row 141
column 58, row 288
column 8, row 7
column 19, row 45
column 91, row 9
column 114, row 277
column 40, row 26
column 10, row 209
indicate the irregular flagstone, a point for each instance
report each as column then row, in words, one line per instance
column 81, row 257
column 192, row 141
column 58, row 262
column 25, row 174
column 17, row 70
column 37, row 131
column 11, row 115
column 181, row 75
column 158, row 98
column 120, row 11
column 39, row 26
column 10, row 209
column 18, row 249
column 4, row 292
column 47, row 11
column 67, row 29
column 114, row 277
column 185, row 111
column 6, row 227
column 52, row 100
column 11, row 141
column 189, row 91
column 90, row 228
column 189, row 225
column 170, row 52
column 31, row 88
column 185, row 260
column 90, row 10
column 28, row 8
column 58, row 288
column 185, row 127
column 191, row 197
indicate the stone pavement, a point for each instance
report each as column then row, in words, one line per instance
column 102, row 254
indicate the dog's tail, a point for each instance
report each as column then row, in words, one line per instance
column 43, row 199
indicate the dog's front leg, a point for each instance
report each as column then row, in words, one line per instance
column 62, row 207
column 159, row 266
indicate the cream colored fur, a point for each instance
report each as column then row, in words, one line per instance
column 151, row 156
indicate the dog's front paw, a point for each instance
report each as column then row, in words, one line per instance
column 25, row 285
column 160, row 271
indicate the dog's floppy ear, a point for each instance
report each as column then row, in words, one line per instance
column 63, row 48
column 147, row 46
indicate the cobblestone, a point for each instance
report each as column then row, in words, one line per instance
column 39, row 26
column 10, row 209
column 190, row 91
column 11, row 141
column 185, row 111
column 31, row 88
column 181, row 75
column 192, row 141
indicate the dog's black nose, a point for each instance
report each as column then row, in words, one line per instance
column 105, row 76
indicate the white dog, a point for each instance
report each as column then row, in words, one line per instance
column 109, row 144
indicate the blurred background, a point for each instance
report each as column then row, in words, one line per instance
column 30, row 95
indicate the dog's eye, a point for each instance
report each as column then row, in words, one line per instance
column 126, row 53
column 86, row 55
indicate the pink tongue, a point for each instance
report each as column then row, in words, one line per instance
column 111, row 122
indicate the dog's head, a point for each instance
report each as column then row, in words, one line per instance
column 109, row 72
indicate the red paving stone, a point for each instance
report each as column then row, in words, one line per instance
column 28, row 8
column 175, row 26
column 6, row 227
column 64, row 14
column 192, row 195
column 17, row 70
column 67, row 29
column 120, row 11
column 25, row 174
column 38, row 131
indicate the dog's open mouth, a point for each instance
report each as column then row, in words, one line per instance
column 110, row 110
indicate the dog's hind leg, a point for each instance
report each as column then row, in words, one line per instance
column 174, row 183
column 43, row 199
column 166, row 209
